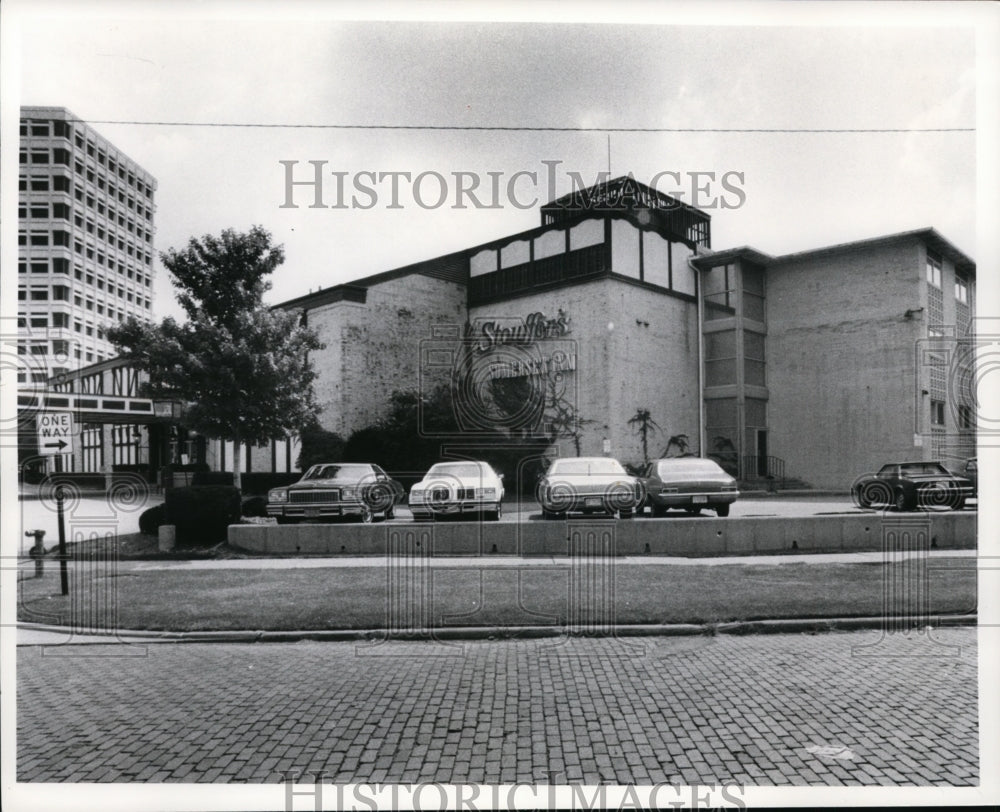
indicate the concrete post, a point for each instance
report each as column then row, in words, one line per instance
column 167, row 537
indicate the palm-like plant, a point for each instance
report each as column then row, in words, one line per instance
column 644, row 424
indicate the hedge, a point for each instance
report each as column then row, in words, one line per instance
column 202, row 513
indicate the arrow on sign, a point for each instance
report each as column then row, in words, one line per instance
column 60, row 445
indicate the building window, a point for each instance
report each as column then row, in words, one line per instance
column 754, row 371
column 961, row 290
column 125, row 444
column 933, row 269
column 720, row 358
column 937, row 412
column 965, row 417
column 718, row 285
column 90, row 441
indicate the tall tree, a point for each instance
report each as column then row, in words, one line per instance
column 242, row 368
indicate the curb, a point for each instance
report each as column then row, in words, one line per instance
column 778, row 626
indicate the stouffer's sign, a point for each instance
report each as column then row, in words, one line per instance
column 535, row 327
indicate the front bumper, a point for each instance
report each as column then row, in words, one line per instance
column 316, row 511
column 451, row 507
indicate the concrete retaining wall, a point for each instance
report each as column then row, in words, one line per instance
column 672, row 537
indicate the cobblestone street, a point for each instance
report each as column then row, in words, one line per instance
column 828, row 709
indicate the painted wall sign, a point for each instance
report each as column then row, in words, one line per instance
column 535, row 327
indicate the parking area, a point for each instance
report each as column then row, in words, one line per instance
column 100, row 514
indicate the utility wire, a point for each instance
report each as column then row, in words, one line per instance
column 485, row 128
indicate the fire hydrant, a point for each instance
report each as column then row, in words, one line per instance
column 37, row 552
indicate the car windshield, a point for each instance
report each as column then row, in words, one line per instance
column 457, row 469
column 921, row 468
column 594, row 467
column 696, row 467
column 338, row 472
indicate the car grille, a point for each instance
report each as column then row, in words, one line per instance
column 312, row 497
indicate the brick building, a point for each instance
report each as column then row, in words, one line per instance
column 815, row 366
column 812, row 367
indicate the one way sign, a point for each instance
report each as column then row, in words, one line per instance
column 54, row 433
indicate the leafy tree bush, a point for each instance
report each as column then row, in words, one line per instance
column 254, row 506
column 151, row 519
column 242, row 368
column 319, row 445
column 202, row 513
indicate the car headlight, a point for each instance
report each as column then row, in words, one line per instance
column 277, row 495
column 486, row 493
column 731, row 486
column 416, row 495
column 348, row 493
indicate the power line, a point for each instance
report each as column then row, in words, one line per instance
column 487, row 128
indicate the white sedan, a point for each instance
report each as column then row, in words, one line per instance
column 589, row 485
column 455, row 488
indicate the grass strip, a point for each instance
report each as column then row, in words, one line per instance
column 583, row 591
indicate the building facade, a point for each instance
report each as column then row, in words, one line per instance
column 85, row 242
column 85, row 261
column 614, row 328
column 812, row 367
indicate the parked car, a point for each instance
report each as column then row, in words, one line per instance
column 971, row 473
column 909, row 485
column 689, row 483
column 589, row 485
column 333, row 490
column 456, row 488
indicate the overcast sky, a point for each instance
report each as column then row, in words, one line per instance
column 801, row 190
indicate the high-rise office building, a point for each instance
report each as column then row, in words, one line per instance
column 85, row 243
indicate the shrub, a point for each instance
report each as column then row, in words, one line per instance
column 151, row 519
column 260, row 482
column 212, row 478
column 201, row 513
column 255, row 506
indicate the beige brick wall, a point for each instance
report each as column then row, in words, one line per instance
column 636, row 348
column 840, row 362
column 373, row 349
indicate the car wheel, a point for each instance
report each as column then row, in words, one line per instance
column 551, row 514
column 626, row 514
column 391, row 512
column 863, row 500
column 366, row 517
column 693, row 511
column 659, row 511
column 287, row 519
column 494, row 515
column 722, row 511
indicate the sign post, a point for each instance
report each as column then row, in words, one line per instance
column 54, row 430
column 63, row 571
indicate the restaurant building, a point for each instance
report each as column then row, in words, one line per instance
column 811, row 367
column 616, row 328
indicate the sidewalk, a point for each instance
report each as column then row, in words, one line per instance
column 490, row 562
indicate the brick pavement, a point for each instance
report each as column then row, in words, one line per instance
column 826, row 709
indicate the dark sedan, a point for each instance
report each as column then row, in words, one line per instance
column 688, row 483
column 909, row 485
column 334, row 490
